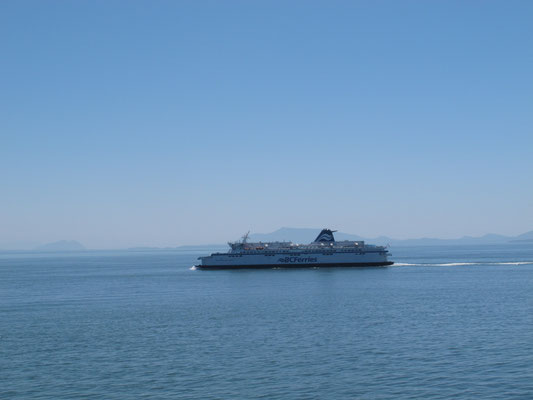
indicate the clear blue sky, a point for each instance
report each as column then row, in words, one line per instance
column 127, row 123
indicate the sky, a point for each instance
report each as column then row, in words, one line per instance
column 166, row 123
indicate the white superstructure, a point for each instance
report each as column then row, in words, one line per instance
column 323, row 252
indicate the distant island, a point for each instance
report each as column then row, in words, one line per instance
column 301, row 235
column 62, row 245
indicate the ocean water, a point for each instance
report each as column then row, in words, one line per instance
column 446, row 322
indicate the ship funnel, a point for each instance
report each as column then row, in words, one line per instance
column 325, row 236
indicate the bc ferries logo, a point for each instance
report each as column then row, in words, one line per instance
column 297, row 260
column 325, row 237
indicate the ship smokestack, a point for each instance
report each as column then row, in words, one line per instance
column 325, row 236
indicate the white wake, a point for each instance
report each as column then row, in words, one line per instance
column 461, row 264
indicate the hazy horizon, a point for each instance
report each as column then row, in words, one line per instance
column 37, row 245
column 182, row 123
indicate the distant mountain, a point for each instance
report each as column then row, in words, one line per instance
column 524, row 237
column 62, row 245
column 307, row 235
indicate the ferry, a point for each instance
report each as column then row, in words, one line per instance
column 324, row 251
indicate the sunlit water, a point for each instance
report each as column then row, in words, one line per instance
column 447, row 322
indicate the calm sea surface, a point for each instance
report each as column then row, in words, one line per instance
column 447, row 322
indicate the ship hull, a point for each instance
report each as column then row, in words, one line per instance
column 284, row 266
column 295, row 259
